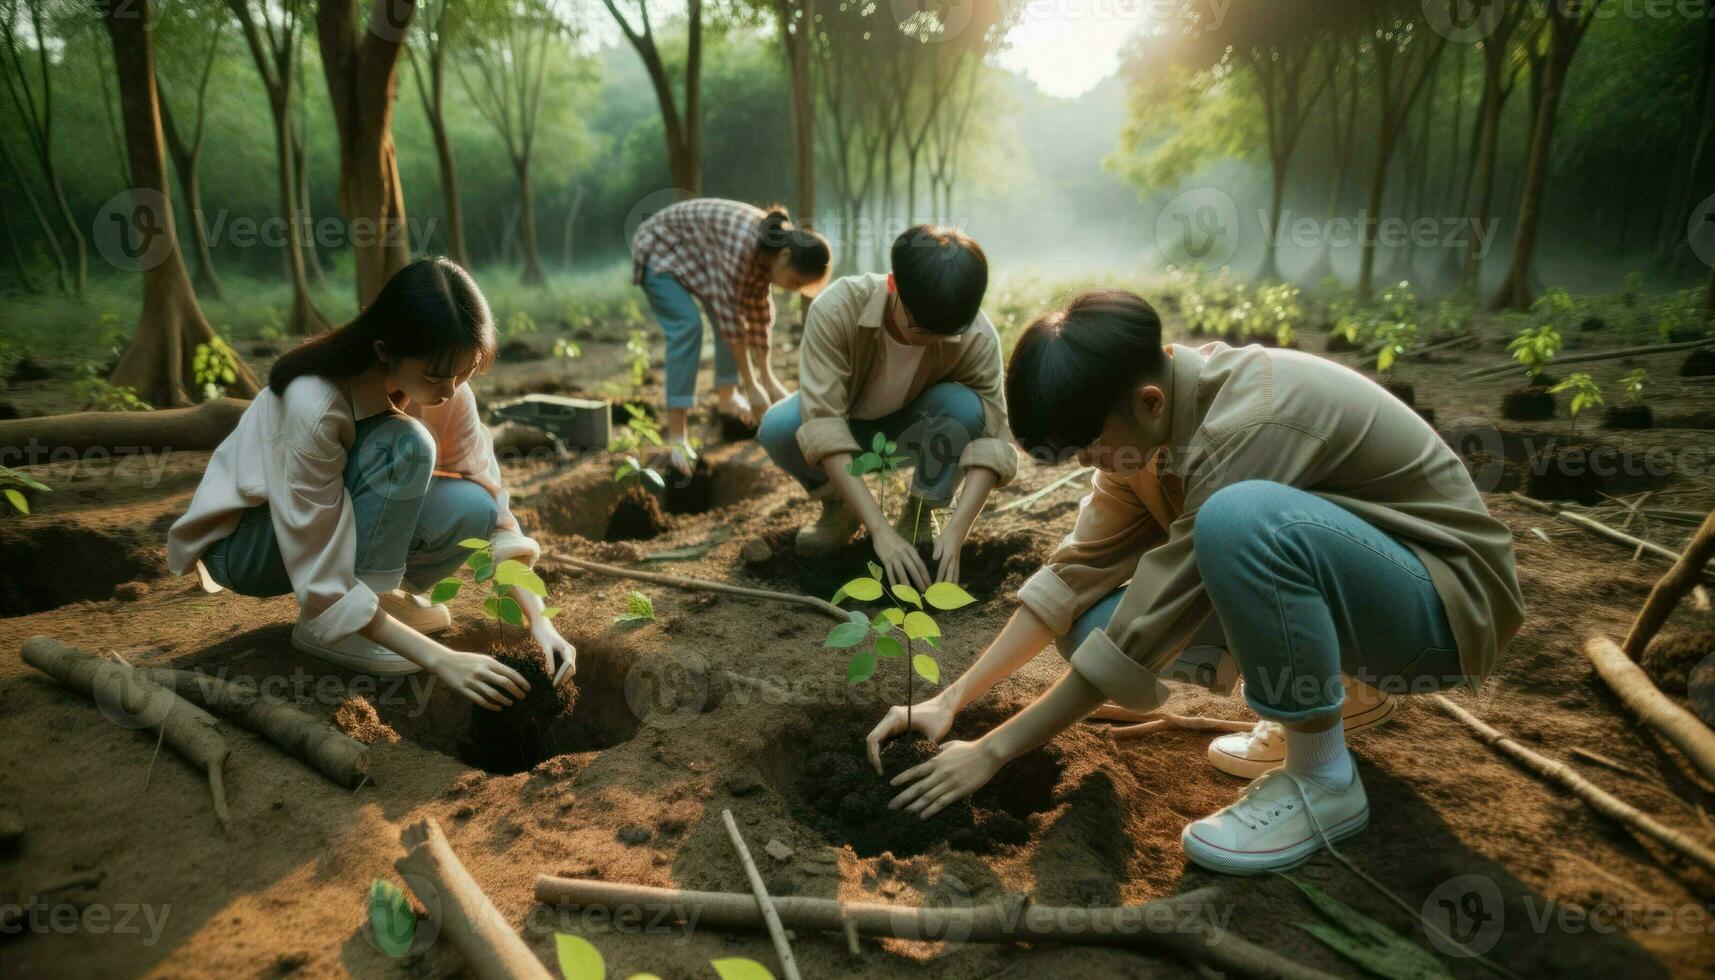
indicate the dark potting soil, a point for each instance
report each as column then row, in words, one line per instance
column 986, row 566
column 1628, row 417
column 514, row 739
column 1339, row 342
column 1565, row 473
column 1593, row 323
column 846, row 801
column 734, row 430
column 1699, row 363
column 692, row 494
column 636, row 516
column 1532, row 404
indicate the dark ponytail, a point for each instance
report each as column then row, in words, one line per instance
column 807, row 251
column 431, row 309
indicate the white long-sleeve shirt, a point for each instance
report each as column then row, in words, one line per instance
column 289, row 452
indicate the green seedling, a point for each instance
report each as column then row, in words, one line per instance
column 883, row 633
column 580, row 960
column 567, row 349
column 883, row 458
column 1396, row 337
column 641, row 432
column 639, row 609
column 637, row 356
column 1534, row 348
column 213, row 367
column 1633, row 385
column 499, row 577
column 97, row 394
column 1586, row 393
column 20, row 502
column 520, row 323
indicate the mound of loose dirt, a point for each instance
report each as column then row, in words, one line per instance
column 1672, row 656
column 1699, row 363
column 1532, row 404
column 356, row 717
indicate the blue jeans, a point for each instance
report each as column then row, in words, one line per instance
column 932, row 431
column 409, row 521
column 1307, row 590
column 1199, row 663
column 682, row 324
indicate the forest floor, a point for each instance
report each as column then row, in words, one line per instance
column 743, row 709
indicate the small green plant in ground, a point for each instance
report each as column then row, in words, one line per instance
column 639, row 609
column 884, row 631
column 1397, row 338
column 16, row 479
column 1555, row 308
column 883, row 458
column 1586, row 393
column 499, row 577
column 637, row 356
column 567, row 349
column 520, row 323
column 1633, row 289
column 1452, row 318
column 641, row 432
column 96, row 394
column 1534, row 348
column 1633, row 386
column 580, row 960
column 213, row 367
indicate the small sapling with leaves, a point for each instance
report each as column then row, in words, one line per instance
column 883, row 632
column 13, row 495
column 639, row 609
column 500, row 577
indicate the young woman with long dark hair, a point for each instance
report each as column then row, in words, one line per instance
column 351, row 480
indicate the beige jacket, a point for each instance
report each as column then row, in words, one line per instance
column 843, row 344
column 1252, row 413
column 289, row 452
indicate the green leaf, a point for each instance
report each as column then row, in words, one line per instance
column 839, row 596
column 890, row 447
column 507, row 572
column 947, row 595
column 655, row 478
column 874, row 570
column 477, row 543
column 390, row 918
column 893, row 616
column 1384, row 359
column 926, row 668
column 861, row 667
column 484, row 573
column 479, row 559
column 919, row 626
column 18, row 501
column 491, row 607
column 887, row 646
column 879, row 443
column 579, row 959
column 739, row 968
column 933, row 641
column 908, row 594
column 550, row 612
column 445, row 589
column 1366, row 942
column 846, row 635
column 862, row 589
column 511, row 612
column 881, row 625
column 639, row 605
column 897, row 461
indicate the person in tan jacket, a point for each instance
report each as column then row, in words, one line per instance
column 1321, row 519
column 909, row 359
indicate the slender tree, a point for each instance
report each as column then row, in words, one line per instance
column 28, row 75
column 434, row 36
column 683, row 132
column 1400, row 57
column 186, row 146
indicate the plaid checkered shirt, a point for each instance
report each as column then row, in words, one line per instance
column 709, row 245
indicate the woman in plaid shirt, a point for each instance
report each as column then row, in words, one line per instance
column 726, row 255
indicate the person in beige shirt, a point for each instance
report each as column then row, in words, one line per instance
column 1323, row 521
column 906, row 359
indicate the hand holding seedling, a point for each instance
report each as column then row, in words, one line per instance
column 932, row 719
column 957, row 771
column 481, row 678
column 516, row 596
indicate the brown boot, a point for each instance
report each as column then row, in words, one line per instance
column 832, row 531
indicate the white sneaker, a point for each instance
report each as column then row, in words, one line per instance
column 354, row 653
column 1280, row 822
column 1250, row 754
column 416, row 611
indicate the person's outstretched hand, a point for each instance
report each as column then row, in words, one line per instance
column 483, row 679
column 931, row 719
column 559, row 657
column 948, row 544
column 955, row 772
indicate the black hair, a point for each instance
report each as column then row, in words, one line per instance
column 941, row 275
column 1073, row 366
column 807, row 251
column 430, row 309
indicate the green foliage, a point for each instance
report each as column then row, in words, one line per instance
column 1534, row 348
column 391, row 920
column 1633, row 385
column 567, row 349
column 1222, row 305
column 639, row 609
column 1586, row 393
column 580, row 960
column 213, row 367
column 10, row 355
column 1452, row 318
column 1396, row 337
column 906, row 618
column 499, row 578
column 96, row 394
column 519, row 323
column 637, row 356
column 641, row 432
column 1633, row 289
column 1368, row 944
column 13, row 495
column 882, row 458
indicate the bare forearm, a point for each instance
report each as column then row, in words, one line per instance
column 1070, row 700
column 403, row 640
column 1022, row 638
column 979, row 482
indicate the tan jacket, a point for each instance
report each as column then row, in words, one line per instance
column 1252, row 413
column 842, row 345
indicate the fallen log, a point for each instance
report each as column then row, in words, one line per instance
column 32, row 441
column 1173, row 926
column 460, row 909
column 1670, row 588
column 328, row 750
column 1166, row 722
column 1598, row 799
column 123, row 692
column 1496, row 370
column 822, row 606
column 1625, row 678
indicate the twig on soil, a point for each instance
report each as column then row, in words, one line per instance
column 1599, row 799
column 1165, row 722
column 776, row 932
column 682, row 582
column 1508, row 367
column 119, row 689
column 331, row 752
column 1685, row 730
column 1596, row 527
column 1175, row 925
column 491, row 950
column 1670, row 588
column 1030, row 499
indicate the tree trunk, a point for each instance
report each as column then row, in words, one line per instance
column 80, row 249
column 533, row 275
column 306, row 220
column 1372, row 213
column 158, row 361
column 360, row 67
column 1515, row 290
column 796, row 47
column 23, row 187
column 450, row 201
column 188, row 159
column 305, row 318
column 23, row 271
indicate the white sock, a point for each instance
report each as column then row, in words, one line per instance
column 1321, row 756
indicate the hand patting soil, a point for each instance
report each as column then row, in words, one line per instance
column 515, row 738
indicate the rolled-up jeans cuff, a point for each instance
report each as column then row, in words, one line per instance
column 1317, row 713
column 682, row 401
column 380, row 582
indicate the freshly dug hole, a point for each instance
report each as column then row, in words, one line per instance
column 987, row 566
column 49, row 565
column 832, row 789
column 636, row 516
column 1532, row 404
column 711, row 486
column 518, row 737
